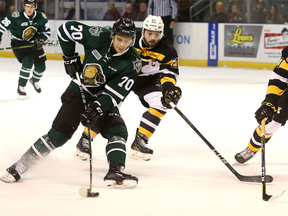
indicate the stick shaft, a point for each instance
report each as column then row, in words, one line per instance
column 88, row 127
column 239, row 176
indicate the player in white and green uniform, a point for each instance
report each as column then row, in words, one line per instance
column 110, row 68
column 28, row 27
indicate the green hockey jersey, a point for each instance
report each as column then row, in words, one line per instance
column 106, row 77
column 24, row 28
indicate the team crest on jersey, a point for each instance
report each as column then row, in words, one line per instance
column 29, row 32
column 95, row 31
column 15, row 14
column 174, row 63
column 137, row 65
column 93, row 75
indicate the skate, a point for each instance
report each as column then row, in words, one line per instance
column 139, row 149
column 82, row 148
column 11, row 175
column 117, row 179
column 245, row 155
column 21, row 92
column 35, row 85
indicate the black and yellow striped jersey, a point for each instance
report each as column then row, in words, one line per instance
column 278, row 81
column 163, row 59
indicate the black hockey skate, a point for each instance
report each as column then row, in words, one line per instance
column 35, row 85
column 116, row 178
column 139, row 149
column 244, row 156
column 82, row 147
column 11, row 175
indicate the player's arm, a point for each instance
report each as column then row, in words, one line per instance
column 69, row 33
column 5, row 24
column 170, row 71
column 277, row 85
column 44, row 30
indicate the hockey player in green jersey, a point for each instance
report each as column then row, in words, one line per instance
column 110, row 68
column 155, row 87
column 28, row 27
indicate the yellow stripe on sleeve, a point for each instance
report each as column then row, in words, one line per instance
column 272, row 89
column 168, row 79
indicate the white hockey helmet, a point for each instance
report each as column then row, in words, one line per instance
column 153, row 23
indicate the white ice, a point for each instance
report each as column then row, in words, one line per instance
column 184, row 177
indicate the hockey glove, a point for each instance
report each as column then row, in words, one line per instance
column 171, row 93
column 93, row 112
column 39, row 42
column 267, row 110
column 72, row 65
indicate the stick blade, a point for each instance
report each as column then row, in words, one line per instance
column 267, row 197
column 255, row 178
column 86, row 192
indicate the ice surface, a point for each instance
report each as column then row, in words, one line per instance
column 184, row 177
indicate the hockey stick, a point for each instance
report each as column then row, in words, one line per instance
column 53, row 43
column 256, row 178
column 87, row 192
column 265, row 196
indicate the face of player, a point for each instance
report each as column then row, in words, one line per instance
column 151, row 38
column 121, row 43
column 29, row 9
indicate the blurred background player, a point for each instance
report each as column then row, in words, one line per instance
column 155, row 87
column 276, row 100
column 28, row 27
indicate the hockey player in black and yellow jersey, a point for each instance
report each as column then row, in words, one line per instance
column 110, row 67
column 274, row 108
column 155, row 86
column 28, row 27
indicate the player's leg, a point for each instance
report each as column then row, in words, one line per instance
column 150, row 95
column 254, row 144
column 39, row 68
column 63, row 127
column 112, row 127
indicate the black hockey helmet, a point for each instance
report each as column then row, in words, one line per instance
column 30, row 2
column 124, row 27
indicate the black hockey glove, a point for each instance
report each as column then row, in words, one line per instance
column 39, row 42
column 267, row 110
column 171, row 93
column 72, row 65
column 93, row 112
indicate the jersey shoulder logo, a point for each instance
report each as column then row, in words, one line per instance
column 95, row 31
column 93, row 75
column 44, row 16
column 137, row 65
column 15, row 14
column 174, row 63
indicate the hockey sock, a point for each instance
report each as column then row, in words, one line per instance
column 255, row 141
column 116, row 146
column 38, row 71
column 92, row 133
column 150, row 121
column 27, row 64
column 41, row 148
